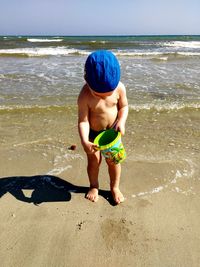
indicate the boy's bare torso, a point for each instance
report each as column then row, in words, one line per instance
column 102, row 110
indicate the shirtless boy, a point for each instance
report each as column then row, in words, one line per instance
column 102, row 104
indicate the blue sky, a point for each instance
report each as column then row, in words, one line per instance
column 104, row 17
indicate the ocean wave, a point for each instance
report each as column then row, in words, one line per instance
column 165, row 107
column 38, row 52
column 64, row 51
column 33, row 108
column 183, row 44
column 135, row 107
column 156, row 54
column 37, row 40
column 98, row 42
column 138, row 54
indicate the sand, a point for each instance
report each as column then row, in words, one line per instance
column 46, row 220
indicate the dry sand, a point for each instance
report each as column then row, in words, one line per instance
column 46, row 221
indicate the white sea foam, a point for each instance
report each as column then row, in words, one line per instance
column 192, row 54
column 136, row 107
column 157, row 54
column 101, row 42
column 37, row 40
column 62, row 51
column 40, row 51
column 172, row 184
column 153, row 191
column 138, row 54
column 58, row 170
column 32, row 142
column 164, row 107
column 186, row 44
column 163, row 58
column 24, row 107
column 60, row 162
column 184, row 192
column 178, row 175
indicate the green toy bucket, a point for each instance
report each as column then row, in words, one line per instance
column 110, row 145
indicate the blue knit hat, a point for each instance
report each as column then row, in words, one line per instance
column 102, row 71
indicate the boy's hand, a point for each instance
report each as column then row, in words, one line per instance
column 120, row 127
column 89, row 147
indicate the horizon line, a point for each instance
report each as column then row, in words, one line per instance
column 95, row 35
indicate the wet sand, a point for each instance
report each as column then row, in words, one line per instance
column 46, row 220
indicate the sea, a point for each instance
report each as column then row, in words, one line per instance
column 41, row 77
column 160, row 72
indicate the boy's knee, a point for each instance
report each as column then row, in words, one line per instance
column 94, row 160
column 110, row 162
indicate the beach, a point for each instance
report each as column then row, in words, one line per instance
column 45, row 218
column 46, row 221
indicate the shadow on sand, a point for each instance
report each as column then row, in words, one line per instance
column 46, row 188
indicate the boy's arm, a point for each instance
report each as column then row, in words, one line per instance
column 122, row 110
column 83, row 123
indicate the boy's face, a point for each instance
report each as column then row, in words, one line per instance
column 101, row 95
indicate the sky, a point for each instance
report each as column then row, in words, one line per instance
column 103, row 17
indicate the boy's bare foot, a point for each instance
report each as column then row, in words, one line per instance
column 92, row 194
column 117, row 195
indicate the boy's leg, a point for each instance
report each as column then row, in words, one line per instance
column 94, row 161
column 115, row 173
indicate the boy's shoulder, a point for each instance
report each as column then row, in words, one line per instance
column 121, row 87
column 84, row 93
column 85, row 90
